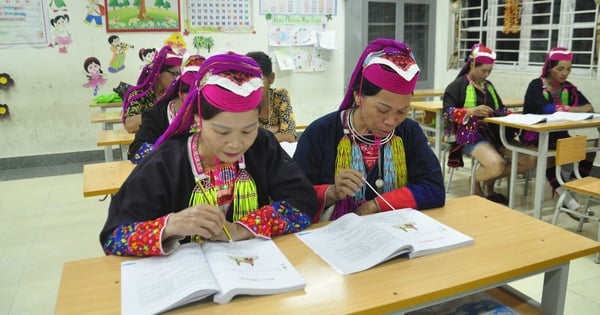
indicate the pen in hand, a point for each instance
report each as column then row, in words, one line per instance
column 227, row 234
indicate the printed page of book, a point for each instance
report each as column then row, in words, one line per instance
column 559, row 116
column 425, row 234
column 526, row 119
column 251, row 267
column 349, row 244
column 157, row 284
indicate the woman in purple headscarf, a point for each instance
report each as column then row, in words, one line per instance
column 370, row 139
column 227, row 172
column 553, row 93
column 153, row 81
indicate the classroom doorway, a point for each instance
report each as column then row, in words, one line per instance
column 410, row 21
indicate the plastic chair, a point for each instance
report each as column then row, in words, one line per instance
column 571, row 150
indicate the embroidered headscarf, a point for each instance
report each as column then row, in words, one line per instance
column 556, row 54
column 188, row 75
column 387, row 63
column 149, row 75
column 229, row 82
column 481, row 54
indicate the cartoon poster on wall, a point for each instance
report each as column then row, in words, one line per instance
column 142, row 15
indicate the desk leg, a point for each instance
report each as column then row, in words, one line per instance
column 108, row 154
column 540, row 174
column 514, row 164
column 439, row 133
column 555, row 290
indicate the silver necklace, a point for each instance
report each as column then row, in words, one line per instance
column 379, row 182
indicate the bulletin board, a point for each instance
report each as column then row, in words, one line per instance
column 300, row 43
column 24, row 23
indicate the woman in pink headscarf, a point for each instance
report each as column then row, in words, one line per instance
column 550, row 93
column 367, row 157
column 467, row 101
column 227, row 172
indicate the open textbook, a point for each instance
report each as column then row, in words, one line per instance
column 355, row 243
column 219, row 269
column 532, row 119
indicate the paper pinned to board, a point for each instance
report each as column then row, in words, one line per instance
column 327, row 40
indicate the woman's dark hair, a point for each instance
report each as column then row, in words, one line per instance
column 263, row 60
column 367, row 88
column 466, row 67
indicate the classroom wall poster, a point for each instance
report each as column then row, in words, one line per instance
column 24, row 23
column 226, row 16
column 298, row 7
column 146, row 16
column 295, row 42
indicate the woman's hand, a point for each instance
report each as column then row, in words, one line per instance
column 367, row 208
column 206, row 221
column 346, row 183
column 481, row 110
column 237, row 231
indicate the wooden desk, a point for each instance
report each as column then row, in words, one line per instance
column 508, row 246
column 433, row 115
column 106, row 117
column 105, row 178
column 427, row 94
column 541, row 151
column 120, row 137
column 104, row 106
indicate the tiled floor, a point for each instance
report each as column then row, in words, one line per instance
column 46, row 221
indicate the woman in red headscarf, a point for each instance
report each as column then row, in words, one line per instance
column 367, row 157
column 553, row 93
column 467, row 101
column 226, row 172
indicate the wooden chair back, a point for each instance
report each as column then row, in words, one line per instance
column 570, row 150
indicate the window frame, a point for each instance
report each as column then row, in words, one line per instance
column 559, row 33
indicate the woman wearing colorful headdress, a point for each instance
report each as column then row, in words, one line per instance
column 370, row 139
column 553, row 93
column 467, row 101
column 227, row 173
column 156, row 120
column 276, row 112
column 151, row 84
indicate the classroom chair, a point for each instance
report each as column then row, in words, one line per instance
column 571, row 150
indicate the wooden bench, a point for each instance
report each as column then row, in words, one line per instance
column 109, row 138
column 104, row 106
column 105, row 178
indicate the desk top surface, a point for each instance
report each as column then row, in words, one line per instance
column 438, row 104
column 106, row 117
column 548, row 126
column 107, row 105
column 428, row 92
column 105, row 178
column 114, row 137
column 508, row 245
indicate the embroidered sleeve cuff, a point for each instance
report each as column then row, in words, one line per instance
column 144, row 149
column 276, row 219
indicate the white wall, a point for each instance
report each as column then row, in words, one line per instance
column 49, row 107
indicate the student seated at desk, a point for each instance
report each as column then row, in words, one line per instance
column 467, row 101
column 156, row 120
column 276, row 112
column 228, row 175
column 552, row 93
column 370, row 139
column 152, row 83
